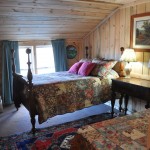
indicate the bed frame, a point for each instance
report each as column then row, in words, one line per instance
column 18, row 86
column 19, row 83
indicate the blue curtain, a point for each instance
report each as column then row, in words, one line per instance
column 7, row 86
column 60, row 56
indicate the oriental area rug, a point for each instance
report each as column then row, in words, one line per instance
column 50, row 138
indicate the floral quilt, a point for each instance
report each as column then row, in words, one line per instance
column 122, row 133
column 62, row 92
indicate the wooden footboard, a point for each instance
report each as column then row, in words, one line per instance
column 19, row 96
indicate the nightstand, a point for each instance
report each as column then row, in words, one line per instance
column 133, row 87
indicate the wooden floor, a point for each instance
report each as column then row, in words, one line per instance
column 14, row 122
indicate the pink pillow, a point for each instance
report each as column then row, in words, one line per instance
column 75, row 67
column 86, row 68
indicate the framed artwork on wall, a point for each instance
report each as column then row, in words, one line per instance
column 140, row 32
column 71, row 51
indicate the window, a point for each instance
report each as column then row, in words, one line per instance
column 45, row 59
column 41, row 58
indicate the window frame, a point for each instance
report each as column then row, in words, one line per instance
column 33, row 54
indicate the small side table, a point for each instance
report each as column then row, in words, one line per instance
column 133, row 87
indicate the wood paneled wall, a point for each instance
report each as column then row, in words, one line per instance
column 107, row 38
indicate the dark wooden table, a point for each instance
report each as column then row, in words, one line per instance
column 133, row 87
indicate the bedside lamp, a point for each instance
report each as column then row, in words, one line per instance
column 128, row 56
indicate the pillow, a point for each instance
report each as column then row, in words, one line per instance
column 97, row 60
column 86, row 68
column 111, row 74
column 95, row 70
column 75, row 67
column 119, row 68
column 103, row 67
column 85, row 60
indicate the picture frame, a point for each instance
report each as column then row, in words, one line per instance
column 71, row 51
column 140, row 32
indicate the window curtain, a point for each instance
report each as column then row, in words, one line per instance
column 7, row 85
column 60, row 55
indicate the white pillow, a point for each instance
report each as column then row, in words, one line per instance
column 85, row 60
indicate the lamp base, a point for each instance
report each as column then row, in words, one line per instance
column 127, row 76
column 128, row 70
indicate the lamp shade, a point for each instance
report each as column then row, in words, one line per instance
column 128, row 55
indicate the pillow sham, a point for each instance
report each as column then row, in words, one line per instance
column 86, row 68
column 95, row 70
column 111, row 74
column 102, row 67
column 105, row 67
column 75, row 67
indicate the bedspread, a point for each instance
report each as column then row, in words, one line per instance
column 122, row 133
column 63, row 92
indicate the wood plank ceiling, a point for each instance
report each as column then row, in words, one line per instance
column 52, row 19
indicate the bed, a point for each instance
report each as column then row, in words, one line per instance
column 57, row 93
column 122, row 133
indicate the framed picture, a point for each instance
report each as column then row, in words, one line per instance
column 71, row 51
column 140, row 32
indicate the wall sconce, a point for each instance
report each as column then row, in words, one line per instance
column 128, row 56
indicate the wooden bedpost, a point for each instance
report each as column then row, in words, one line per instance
column 122, row 50
column 29, row 74
column 31, row 98
column 86, row 52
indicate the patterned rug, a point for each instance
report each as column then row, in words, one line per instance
column 51, row 138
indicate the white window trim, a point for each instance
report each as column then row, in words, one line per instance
column 34, row 44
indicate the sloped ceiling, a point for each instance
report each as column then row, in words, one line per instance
column 53, row 19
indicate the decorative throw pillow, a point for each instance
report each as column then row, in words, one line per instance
column 95, row 70
column 75, row 67
column 106, row 67
column 119, row 68
column 86, row 68
column 111, row 74
column 103, row 66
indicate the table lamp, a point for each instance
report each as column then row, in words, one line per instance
column 128, row 56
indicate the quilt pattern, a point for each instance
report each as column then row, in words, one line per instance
column 122, row 133
column 62, row 92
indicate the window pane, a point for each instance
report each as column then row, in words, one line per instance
column 45, row 59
